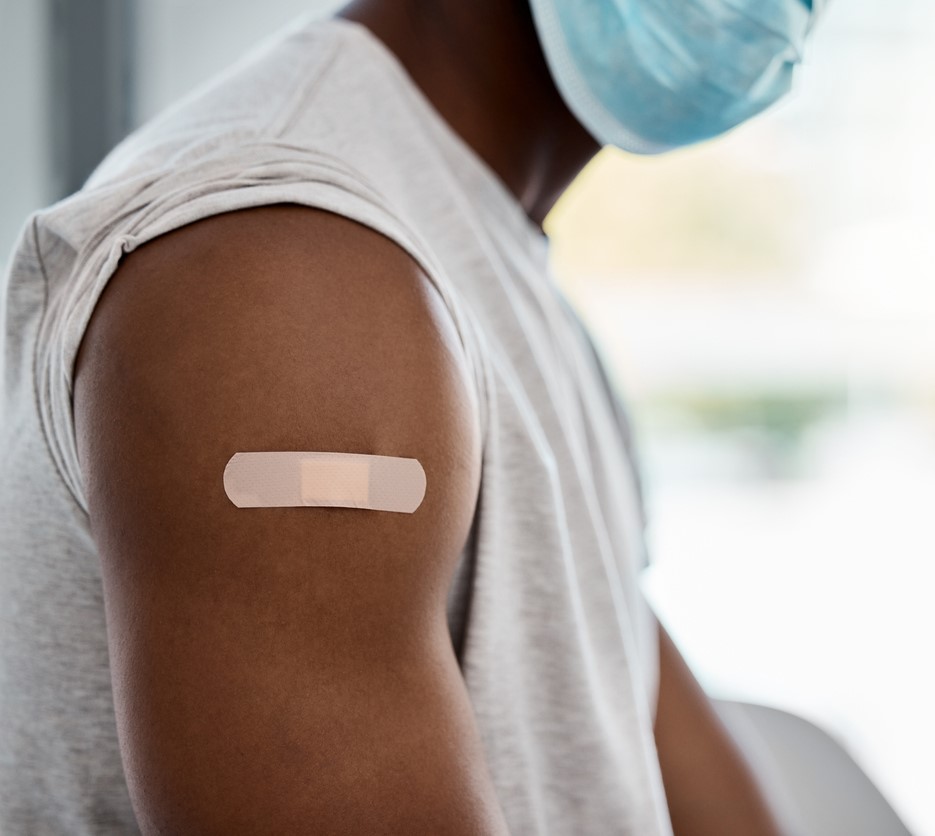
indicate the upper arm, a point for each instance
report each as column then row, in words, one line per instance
column 710, row 787
column 280, row 669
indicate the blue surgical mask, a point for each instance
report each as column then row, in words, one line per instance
column 652, row 75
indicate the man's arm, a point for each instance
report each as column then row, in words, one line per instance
column 710, row 788
column 281, row 670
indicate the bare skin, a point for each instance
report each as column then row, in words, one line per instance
column 281, row 670
column 290, row 670
column 710, row 788
column 481, row 66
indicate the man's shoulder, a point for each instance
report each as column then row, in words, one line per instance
column 322, row 312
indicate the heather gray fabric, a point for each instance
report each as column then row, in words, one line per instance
column 556, row 646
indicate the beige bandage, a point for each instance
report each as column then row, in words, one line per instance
column 330, row 480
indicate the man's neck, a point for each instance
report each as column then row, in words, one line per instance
column 481, row 67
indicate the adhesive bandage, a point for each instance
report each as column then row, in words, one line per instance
column 329, row 480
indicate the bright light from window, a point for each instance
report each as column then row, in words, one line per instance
column 767, row 302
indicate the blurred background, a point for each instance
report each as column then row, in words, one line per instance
column 766, row 303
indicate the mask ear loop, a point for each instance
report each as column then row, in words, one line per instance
column 324, row 480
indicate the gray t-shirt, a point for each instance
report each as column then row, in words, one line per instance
column 555, row 642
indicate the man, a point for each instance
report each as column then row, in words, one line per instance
column 335, row 248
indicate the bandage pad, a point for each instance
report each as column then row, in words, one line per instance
column 328, row 480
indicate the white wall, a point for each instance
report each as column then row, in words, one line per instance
column 184, row 42
column 180, row 44
column 24, row 139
